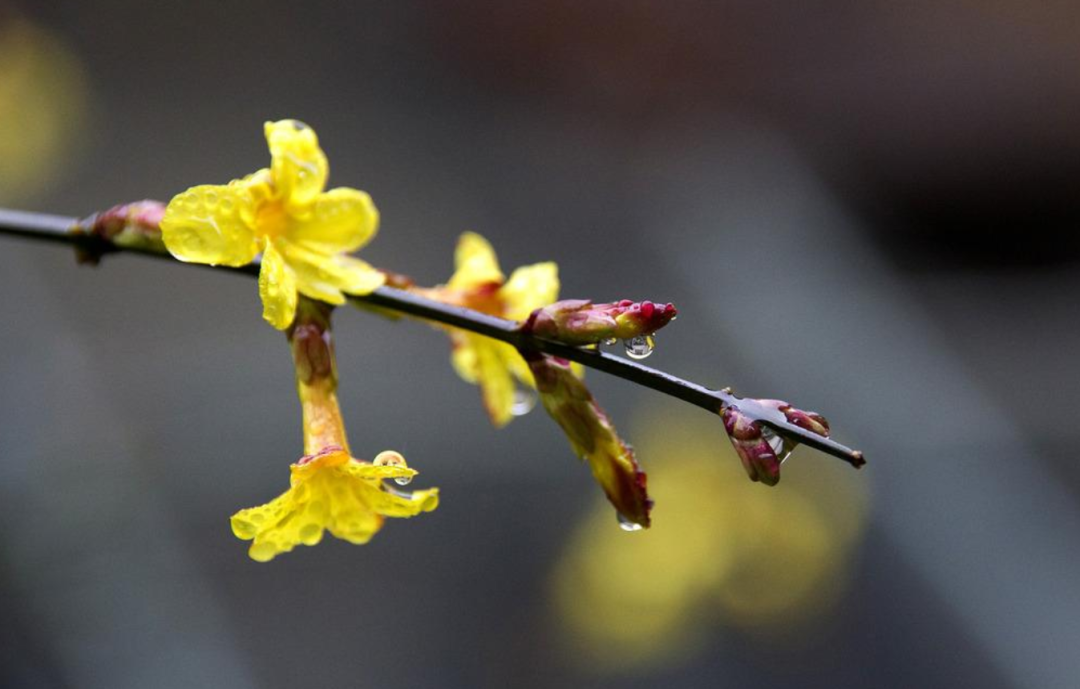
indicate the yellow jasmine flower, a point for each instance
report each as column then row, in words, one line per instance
column 478, row 283
column 331, row 491
column 302, row 231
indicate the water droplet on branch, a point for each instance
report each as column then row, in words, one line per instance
column 627, row 525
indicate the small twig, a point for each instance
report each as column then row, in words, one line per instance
column 56, row 228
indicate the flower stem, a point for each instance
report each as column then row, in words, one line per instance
column 66, row 230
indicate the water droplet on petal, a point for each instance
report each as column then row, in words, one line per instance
column 524, row 401
column 610, row 341
column 639, row 347
column 627, row 525
column 389, row 458
column 780, row 447
column 393, row 459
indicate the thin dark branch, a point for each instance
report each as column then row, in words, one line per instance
column 56, row 228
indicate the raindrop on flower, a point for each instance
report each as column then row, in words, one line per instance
column 627, row 525
column 524, row 401
column 780, row 447
column 639, row 347
column 393, row 459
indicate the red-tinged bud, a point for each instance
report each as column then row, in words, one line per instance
column 312, row 343
column 759, row 447
column 593, row 437
column 757, row 455
column 581, row 322
column 643, row 319
column 135, row 225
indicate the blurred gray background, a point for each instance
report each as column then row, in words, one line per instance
column 869, row 210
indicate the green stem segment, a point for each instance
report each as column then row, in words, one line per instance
column 66, row 230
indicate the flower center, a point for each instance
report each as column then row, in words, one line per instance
column 271, row 220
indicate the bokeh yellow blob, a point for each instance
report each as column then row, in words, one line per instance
column 43, row 105
column 722, row 551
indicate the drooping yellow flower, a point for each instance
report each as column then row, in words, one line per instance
column 478, row 283
column 331, row 491
column 302, row 231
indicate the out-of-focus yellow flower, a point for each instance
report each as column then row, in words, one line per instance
column 723, row 551
column 331, row 491
column 44, row 103
column 478, row 283
column 283, row 212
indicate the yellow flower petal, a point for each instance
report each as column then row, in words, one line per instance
column 277, row 287
column 463, row 357
column 298, row 165
column 374, row 472
column 516, row 364
column 206, row 224
column 342, row 219
column 529, row 288
column 330, row 491
column 401, row 504
column 474, row 263
column 325, row 276
column 316, row 273
column 496, row 384
column 356, row 276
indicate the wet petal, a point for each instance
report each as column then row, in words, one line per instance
column 316, row 276
column 356, row 276
column 277, row 287
column 325, row 276
column 374, row 472
column 474, row 263
column 298, row 165
column 403, row 504
column 529, row 288
column 340, row 220
column 206, row 224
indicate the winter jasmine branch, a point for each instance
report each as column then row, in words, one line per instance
column 782, row 421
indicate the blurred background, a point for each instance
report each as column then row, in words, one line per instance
column 867, row 209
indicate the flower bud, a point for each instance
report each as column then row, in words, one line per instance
column 759, row 447
column 593, row 437
column 135, row 225
column 581, row 322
